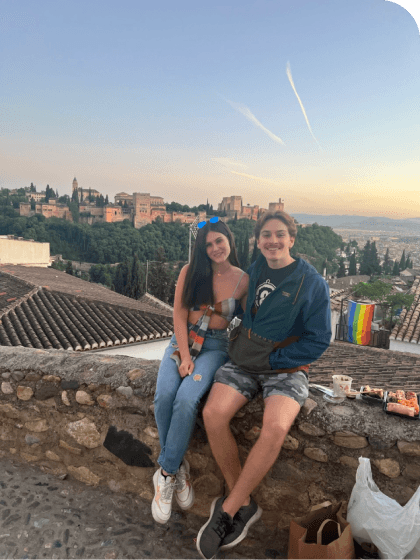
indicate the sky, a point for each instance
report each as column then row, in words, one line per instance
column 312, row 101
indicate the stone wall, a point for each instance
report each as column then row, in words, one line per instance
column 57, row 407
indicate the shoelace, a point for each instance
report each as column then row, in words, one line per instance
column 223, row 525
column 168, row 489
column 181, row 479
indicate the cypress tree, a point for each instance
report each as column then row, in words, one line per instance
column 119, row 280
column 402, row 261
column 352, row 265
column 342, row 270
column 374, row 260
column 396, row 269
column 245, row 252
column 365, row 264
column 159, row 277
column 387, row 262
column 254, row 252
column 137, row 279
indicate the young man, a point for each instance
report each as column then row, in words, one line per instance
column 286, row 326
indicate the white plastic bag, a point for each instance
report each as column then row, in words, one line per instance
column 376, row 518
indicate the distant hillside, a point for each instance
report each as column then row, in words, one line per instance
column 374, row 223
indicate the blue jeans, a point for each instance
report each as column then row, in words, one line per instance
column 177, row 398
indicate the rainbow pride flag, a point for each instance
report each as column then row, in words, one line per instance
column 360, row 316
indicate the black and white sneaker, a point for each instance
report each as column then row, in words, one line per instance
column 213, row 532
column 242, row 521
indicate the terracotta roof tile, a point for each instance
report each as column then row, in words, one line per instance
column 367, row 366
column 407, row 328
column 45, row 317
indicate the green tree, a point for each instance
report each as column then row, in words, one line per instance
column 402, row 261
column 398, row 301
column 74, row 209
column 69, row 268
column 342, row 269
column 366, row 254
column 137, row 279
column 255, row 252
column 376, row 291
column 159, row 283
column 352, row 265
column 387, row 262
column 396, row 269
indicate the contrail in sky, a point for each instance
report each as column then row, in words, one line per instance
column 247, row 114
column 289, row 75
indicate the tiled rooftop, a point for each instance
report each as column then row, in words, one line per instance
column 68, row 315
column 408, row 327
column 73, row 286
column 376, row 367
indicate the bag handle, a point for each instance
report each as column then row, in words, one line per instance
column 328, row 532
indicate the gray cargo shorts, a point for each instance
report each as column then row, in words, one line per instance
column 292, row 385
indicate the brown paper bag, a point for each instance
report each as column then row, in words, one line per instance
column 303, row 535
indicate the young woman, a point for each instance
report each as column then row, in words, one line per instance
column 207, row 296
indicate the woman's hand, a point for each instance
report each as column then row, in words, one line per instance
column 186, row 367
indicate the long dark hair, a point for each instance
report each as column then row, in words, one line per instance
column 198, row 287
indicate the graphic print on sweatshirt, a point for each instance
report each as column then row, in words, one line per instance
column 263, row 290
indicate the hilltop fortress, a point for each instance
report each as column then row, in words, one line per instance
column 140, row 208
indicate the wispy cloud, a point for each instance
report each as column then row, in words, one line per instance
column 255, row 178
column 289, row 75
column 252, row 118
column 228, row 162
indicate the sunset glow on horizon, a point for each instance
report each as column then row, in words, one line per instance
column 314, row 101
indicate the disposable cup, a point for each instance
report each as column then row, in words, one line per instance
column 341, row 385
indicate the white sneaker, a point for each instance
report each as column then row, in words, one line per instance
column 184, row 492
column 164, row 491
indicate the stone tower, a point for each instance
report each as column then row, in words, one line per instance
column 75, row 187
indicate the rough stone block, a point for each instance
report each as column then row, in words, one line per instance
column 24, row 393
column 69, row 384
column 9, row 411
column 84, row 475
column 52, row 456
column 104, row 401
column 152, row 432
column 45, row 391
column 37, row 426
column 85, row 433
column 74, row 450
column 316, row 454
column 52, row 378
column 197, row 461
column 412, row 471
column 28, row 457
column 31, row 440
column 290, row 443
column 380, row 444
column 126, row 392
column 311, row 430
column 84, row 398
column 7, row 388
column 411, row 448
column 388, row 467
column 253, row 433
column 308, row 407
column 350, row 440
column 134, row 374
column 349, row 461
